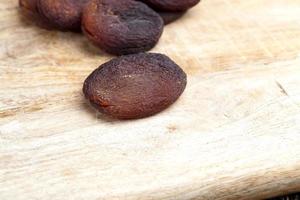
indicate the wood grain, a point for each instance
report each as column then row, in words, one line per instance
column 233, row 134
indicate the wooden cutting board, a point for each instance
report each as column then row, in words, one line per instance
column 234, row 134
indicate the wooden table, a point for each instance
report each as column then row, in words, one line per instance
column 234, row 134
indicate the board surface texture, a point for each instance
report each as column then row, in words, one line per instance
column 234, row 134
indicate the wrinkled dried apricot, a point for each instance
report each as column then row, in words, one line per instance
column 169, row 16
column 121, row 27
column 29, row 5
column 171, row 5
column 62, row 14
column 135, row 86
column 30, row 10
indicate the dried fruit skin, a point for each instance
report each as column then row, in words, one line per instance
column 29, row 5
column 62, row 14
column 171, row 5
column 169, row 16
column 29, row 9
column 121, row 27
column 135, row 86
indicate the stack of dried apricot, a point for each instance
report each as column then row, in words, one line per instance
column 131, row 86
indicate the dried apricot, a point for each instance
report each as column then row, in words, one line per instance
column 30, row 11
column 171, row 5
column 62, row 14
column 29, row 5
column 121, row 27
column 135, row 86
column 169, row 16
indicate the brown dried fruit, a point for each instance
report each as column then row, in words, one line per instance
column 29, row 5
column 30, row 10
column 121, row 27
column 169, row 16
column 62, row 14
column 135, row 86
column 171, row 5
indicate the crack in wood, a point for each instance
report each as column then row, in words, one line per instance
column 282, row 88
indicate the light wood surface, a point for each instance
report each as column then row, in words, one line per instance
column 234, row 134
